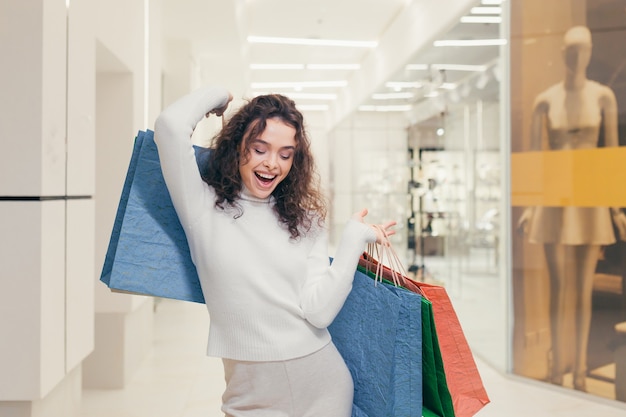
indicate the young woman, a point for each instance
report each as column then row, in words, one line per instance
column 256, row 231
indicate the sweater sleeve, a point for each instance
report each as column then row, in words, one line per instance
column 172, row 135
column 327, row 286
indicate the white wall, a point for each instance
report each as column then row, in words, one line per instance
column 54, row 222
column 46, row 233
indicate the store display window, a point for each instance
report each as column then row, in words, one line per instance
column 568, row 227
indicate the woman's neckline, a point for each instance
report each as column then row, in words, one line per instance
column 246, row 195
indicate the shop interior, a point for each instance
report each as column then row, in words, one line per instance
column 438, row 168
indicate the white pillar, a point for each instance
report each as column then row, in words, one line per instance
column 46, row 204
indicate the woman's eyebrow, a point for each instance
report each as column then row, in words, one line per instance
column 262, row 142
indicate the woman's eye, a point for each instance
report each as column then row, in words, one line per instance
column 285, row 156
column 259, row 151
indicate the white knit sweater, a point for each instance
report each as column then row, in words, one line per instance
column 269, row 297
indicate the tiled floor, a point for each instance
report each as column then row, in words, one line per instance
column 178, row 380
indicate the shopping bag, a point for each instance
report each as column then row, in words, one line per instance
column 378, row 333
column 436, row 399
column 148, row 252
column 461, row 373
column 436, row 393
column 464, row 381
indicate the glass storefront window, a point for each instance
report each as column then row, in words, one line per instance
column 568, row 126
column 437, row 149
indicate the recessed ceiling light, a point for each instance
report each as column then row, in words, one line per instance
column 403, row 84
column 277, row 66
column 313, row 67
column 470, row 42
column 312, row 42
column 448, row 86
column 486, row 10
column 298, row 84
column 491, row 2
column 312, row 107
column 447, row 67
column 481, row 19
column 304, row 96
column 392, row 96
column 333, row 66
column 405, row 107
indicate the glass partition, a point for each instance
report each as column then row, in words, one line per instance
column 425, row 150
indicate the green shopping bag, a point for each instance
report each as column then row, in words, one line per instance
column 437, row 401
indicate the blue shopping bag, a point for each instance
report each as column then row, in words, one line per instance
column 378, row 332
column 148, row 252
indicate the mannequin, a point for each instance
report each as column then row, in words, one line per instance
column 574, row 111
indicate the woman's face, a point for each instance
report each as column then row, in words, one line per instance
column 270, row 158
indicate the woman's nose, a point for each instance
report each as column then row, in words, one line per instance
column 270, row 162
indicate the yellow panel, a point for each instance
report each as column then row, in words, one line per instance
column 581, row 177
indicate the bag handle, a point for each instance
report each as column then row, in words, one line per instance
column 384, row 251
column 395, row 272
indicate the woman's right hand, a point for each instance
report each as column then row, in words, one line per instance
column 221, row 110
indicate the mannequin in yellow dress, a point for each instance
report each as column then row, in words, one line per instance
column 574, row 112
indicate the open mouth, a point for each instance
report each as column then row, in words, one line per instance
column 265, row 179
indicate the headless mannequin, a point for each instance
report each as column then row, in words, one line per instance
column 574, row 111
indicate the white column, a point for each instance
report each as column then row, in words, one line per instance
column 46, row 204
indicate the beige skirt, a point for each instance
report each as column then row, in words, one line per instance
column 319, row 384
column 572, row 226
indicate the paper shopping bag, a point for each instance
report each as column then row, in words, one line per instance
column 375, row 332
column 436, row 398
column 461, row 373
column 436, row 393
column 148, row 252
column 466, row 387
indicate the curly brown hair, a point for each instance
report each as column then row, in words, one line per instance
column 299, row 200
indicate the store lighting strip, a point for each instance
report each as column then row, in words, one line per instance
column 312, row 42
column 486, row 10
column 481, row 19
column 349, row 67
column 399, row 85
column 447, row 67
column 392, row 96
column 298, row 84
column 399, row 108
column 304, row 96
column 313, row 67
column 277, row 66
column 448, row 86
column 470, row 42
column 491, row 2
column 312, row 107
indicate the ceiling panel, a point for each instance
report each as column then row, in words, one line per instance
column 217, row 31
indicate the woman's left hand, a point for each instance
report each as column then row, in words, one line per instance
column 383, row 231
